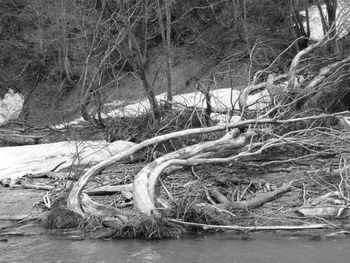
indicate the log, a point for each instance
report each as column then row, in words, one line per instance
column 198, row 159
column 19, row 139
column 146, row 180
column 73, row 201
column 258, row 200
column 35, row 186
column 251, row 228
column 301, row 53
column 219, row 196
column 51, row 175
column 324, row 211
column 31, row 186
column 93, row 208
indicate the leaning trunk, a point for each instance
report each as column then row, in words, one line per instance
column 150, row 95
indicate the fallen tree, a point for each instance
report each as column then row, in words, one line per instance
column 73, row 201
column 230, row 148
column 278, row 127
column 235, row 145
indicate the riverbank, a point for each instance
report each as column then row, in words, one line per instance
column 312, row 201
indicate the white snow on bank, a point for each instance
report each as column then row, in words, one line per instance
column 32, row 159
column 221, row 100
column 342, row 20
column 15, row 162
column 11, row 106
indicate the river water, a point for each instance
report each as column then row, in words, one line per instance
column 204, row 249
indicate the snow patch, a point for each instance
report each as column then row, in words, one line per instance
column 18, row 161
column 221, row 100
column 11, row 106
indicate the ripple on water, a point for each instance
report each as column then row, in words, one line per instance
column 207, row 249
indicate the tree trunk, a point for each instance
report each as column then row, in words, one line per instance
column 146, row 180
column 331, row 6
column 166, row 44
column 150, row 95
column 302, row 34
column 168, row 54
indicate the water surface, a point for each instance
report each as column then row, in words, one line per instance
column 226, row 247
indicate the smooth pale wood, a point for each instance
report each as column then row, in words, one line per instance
column 227, row 142
column 301, row 53
column 251, row 228
column 258, row 200
column 142, row 197
column 325, row 211
column 149, row 196
column 94, row 208
column 73, row 201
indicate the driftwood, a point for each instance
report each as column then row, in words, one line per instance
column 97, row 209
column 145, row 188
column 251, row 228
column 290, row 76
column 73, row 201
column 51, row 175
column 33, row 186
column 296, row 59
column 226, row 208
column 325, row 211
column 257, row 201
column 20, row 139
column 146, row 180
column 329, row 205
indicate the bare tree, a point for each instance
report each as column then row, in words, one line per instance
column 135, row 52
column 329, row 21
column 302, row 32
column 166, row 38
column 113, row 39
